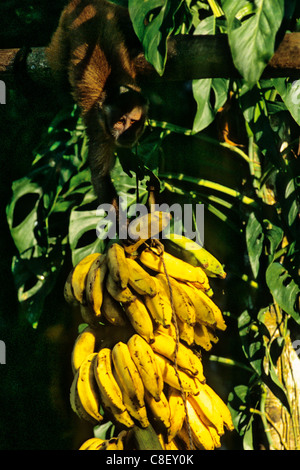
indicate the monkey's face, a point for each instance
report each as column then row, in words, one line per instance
column 129, row 127
column 125, row 117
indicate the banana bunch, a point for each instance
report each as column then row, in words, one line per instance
column 114, row 443
column 123, row 290
column 136, row 383
column 137, row 361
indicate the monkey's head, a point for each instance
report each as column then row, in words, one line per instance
column 125, row 113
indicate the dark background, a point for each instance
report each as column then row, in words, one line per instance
column 35, row 411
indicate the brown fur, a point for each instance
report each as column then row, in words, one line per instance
column 93, row 49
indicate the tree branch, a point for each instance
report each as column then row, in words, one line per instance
column 189, row 57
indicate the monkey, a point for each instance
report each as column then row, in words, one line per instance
column 93, row 51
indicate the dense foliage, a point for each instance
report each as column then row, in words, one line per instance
column 230, row 144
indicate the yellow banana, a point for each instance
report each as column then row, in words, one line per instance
column 140, row 281
column 79, row 276
column 177, row 413
column 215, row 436
column 144, row 359
column 127, row 373
column 140, row 319
column 139, row 413
column 202, row 438
column 173, row 445
column 159, row 410
column 207, row 308
column 212, row 335
column 166, row 346
column 117, row 265
column 204, row 312
column 175, row 267
column 159, row 306
column 84, row 345
column 145, row 227
column 114, row 443
column 94, row 443
column 208, row 413
column 161, row 440
column 88, row 316
column 186, row 332
column 184, row 439
column 112, row 310
column 183, row 306
column 94, row 285
column 171, row 330
column 130, row 382
column 194, row 254
column 221, row 407
column 188, row 384
column 201, row 336
column 84, row 395
column 110, row 392
column 68, row 290
column 119, row 294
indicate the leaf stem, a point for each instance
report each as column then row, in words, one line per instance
column 230, row 362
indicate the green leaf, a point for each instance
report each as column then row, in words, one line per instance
column 35, row 278
column 83, row 224
column 210, row 95
column 252, row 38
column 104, row 431
column 274, row 235
column 289, row 90
column 254, row 240
column 22, row 214
column 254, row 107
column 153, row 22
column 248, row 435
column 284, row 289
column 238, row 400
column 251, row 342
column 290, row 197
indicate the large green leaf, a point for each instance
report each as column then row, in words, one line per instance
column 35, row 278
column 210, row 93
column 284, row 288
column 251, row 342
column 83, row 236
column 274, row 235
column 238, row 403
column 153, row 22
column 289, row 199
column 22, row 227
column 38, row 213
column 289, row 91
column 252, row 38
column 254, row 107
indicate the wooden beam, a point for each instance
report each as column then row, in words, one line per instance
column 189, row 57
